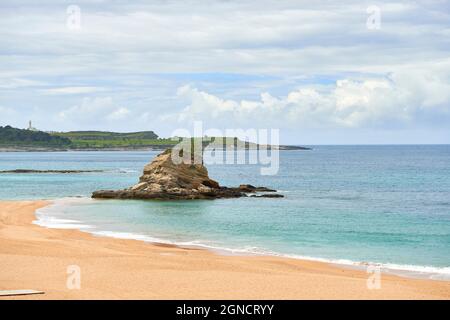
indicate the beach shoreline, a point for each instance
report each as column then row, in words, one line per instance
column 45, row 217
column 39, row 258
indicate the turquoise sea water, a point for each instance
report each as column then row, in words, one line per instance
column 350, row 204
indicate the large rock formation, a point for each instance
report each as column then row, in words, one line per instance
column 163, row 179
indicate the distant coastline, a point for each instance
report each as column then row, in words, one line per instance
column 43, row 149
column 146, row 148
column 33, row 140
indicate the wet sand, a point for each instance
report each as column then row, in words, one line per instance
column 33, row 257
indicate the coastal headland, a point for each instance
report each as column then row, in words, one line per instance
column 33, row 140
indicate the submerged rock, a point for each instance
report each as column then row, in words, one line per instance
column 25, row 171
column 250, row 188
column 163, row 179
column 273, row 195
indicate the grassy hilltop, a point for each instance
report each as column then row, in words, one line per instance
column 13, row 138
column 111, row 140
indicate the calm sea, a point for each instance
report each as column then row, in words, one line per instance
column 388, row 205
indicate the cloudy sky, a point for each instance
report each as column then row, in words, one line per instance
column 323, row 72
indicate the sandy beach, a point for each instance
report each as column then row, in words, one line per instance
column 33, row 257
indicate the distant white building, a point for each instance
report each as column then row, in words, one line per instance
column 30, row 127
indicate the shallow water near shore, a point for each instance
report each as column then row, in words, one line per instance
column 346, row 204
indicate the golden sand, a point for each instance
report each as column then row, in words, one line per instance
column 33, row 257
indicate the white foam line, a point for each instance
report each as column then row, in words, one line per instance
column 45, row 220
column 413, row 271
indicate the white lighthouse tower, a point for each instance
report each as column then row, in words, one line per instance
column 30, row 127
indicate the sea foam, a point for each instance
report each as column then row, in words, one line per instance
column 45, row 218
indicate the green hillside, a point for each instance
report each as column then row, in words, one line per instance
column 105, row 135
column 106, row 140
column 13, row 137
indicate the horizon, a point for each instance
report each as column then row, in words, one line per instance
column 357, row 74
column 293, row 144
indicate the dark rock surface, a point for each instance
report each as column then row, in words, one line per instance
column 273, row 195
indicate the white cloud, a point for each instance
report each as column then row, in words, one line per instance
column 5, row 111
column 283, row 37
column 141, row 52
column 14, row 83
column 118, row 114
column 401, row 99
column 94, row 111
column 72, row 90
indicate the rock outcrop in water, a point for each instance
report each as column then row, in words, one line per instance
column 163, row 179
column 26, row 171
